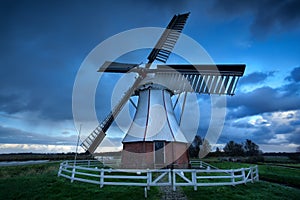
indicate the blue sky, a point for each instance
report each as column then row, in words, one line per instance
column 43, row 44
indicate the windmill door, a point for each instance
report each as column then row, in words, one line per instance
column 159, row 154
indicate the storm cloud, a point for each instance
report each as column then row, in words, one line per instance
column 255, row 78
column 267, row 15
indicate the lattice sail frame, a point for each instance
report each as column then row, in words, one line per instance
column 204, row 79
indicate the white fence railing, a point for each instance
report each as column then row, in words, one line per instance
column 201, row 165
column 93, row 172
column 88, row 172
column 213, row 177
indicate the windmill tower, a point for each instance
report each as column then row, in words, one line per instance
column 154, row 138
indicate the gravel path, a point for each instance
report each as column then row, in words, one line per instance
column 169, row 194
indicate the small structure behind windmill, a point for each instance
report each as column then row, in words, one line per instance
column 154, row 138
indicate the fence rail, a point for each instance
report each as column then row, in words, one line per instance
column 93, row 172
column 213, row 177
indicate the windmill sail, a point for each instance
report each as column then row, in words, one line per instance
column 167, row 41
column 160, row 52
column 207, row 79
column 116, row 67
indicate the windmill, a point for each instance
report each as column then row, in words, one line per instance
column 154, row 138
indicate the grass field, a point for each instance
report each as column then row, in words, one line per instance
column 260, row 190
column 268, row 172
column 41, row 182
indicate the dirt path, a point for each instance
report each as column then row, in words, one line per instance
column 169, row 194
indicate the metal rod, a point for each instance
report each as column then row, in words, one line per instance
column 131, row 101
column 78, row 138
column 183, row 105
column 176, row 101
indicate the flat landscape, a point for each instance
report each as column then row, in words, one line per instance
column 40, row 181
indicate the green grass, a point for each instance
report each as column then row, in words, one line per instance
column 41, row 182
column 258, row 190
column 269, row 172
column 230, row 165
column 283, row 175
column 297, row 165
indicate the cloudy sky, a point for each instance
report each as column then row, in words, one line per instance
column 43, row 44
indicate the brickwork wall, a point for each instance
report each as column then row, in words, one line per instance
column 140, row 155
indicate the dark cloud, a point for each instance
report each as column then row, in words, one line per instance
column 12, row 103
column 232, row 7
column 262, row 100
column 276, row 16
column 255, row 78
column 16, row 136
column 252, row 103
column 43, row 44
column 284, row 129
column 295, row 75
column 295, row 137
column 265, row 99
column 174, row 6
column 295, row 123
column 267, row 15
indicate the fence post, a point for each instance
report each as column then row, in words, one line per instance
column 169, row 177
column 251, row 171
column 257, row 175
column 73, row 174
column 194, row 179
column 232, row 177
column 145, row 192
column 174, row 181
column 89, row 163
column 101, row 178
column 149, row 179
column 60, row 169
column 243, row 175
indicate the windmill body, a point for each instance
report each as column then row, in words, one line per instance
column 154, row 138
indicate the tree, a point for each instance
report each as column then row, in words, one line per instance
column 194, row 148
column 199, row 148
column 217, row 153
column 205, row 148
column 251, row 149
column 228, row 149
column 234, row 149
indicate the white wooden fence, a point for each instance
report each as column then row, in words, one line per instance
column 201, row 165
column 90, row 173
column 93, row 172
column 213, row 177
